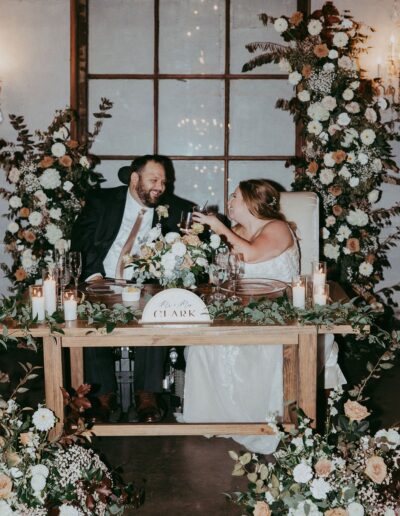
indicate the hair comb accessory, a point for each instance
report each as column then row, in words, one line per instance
column 272, row 202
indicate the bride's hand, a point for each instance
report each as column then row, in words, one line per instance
column 208, row 220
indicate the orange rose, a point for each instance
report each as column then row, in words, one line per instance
column 335, row 190
column 321, row 50
column 336, row 512
column 313, row 167
column 354, row 411
column 353, row 245
column 46, row 162
column 323, row 467
column 337, row 210
column 20, row 274
column 72, row 144
column 261, row 509
column 24, row 213
column 296, row 18
column 5, row 486
column 25, row 438
column 376, row 469
column 65, row 161
column 29, row 236
column 306, row 71
column 339, row 156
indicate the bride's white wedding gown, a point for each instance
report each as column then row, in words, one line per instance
column 241, row 383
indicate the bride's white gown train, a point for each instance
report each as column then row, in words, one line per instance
column 241, row 383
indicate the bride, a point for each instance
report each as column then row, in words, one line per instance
column 234, row 383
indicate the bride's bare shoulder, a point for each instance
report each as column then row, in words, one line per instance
column 277, row 229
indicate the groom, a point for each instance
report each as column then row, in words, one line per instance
column 111, row 224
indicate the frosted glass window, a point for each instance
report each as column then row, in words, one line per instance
column 200, row 181
column 246, row 27
column 271, row 170
column 257, row 127
column 109, row 168
column 121, row 36
column 130, row 130
column 192, row 36
column 191, row 117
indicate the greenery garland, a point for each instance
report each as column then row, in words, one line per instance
column 347, row 133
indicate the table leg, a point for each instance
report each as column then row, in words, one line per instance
column 290, row 383
column 53, row 380
column 76, row 360
column 308, row 375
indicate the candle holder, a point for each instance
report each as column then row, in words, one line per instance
column 37, row 302
column 321, row 294
column 299, row 291
column 70, row 304
column 50, row 277
column 318, row 273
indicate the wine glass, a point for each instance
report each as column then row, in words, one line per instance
column 63, row 272
column 236, row 270
column 75, row 265
column 218, row 275
column 186, row 221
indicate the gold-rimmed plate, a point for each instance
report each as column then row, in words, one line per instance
column 255, row 287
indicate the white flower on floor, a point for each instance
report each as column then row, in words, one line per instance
column 13, row 227
column 43, row 419
column 368, row 136
column 314, row 27
column 302, row 473
column 357, row 217
column 50, row 179
column 35, row 218
column 320, row 488
column 340, row 39
column 295, row 78
column 355, row 509
column 365, row 269
column 280, row 25
column 15, row 202
column 58, row 150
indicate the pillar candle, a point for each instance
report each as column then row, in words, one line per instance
column 70, row 309
column 38, row 307
column 299, row 296
column 50, row 295
column 319, row 297
column 319, row 278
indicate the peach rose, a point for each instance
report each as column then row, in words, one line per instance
column 335, row 190
column 20, row 274
column 261, row 509
column 321, row 50
column 354, row 411
column 25, row 438
column 72, row 144
column 12, row 458
column 65, row 161
column 187, row 263
column 306, row 71
column 323, row 467
column 191, row 240
column 24, row 213
column 353, row 245
column 5, row 486
column 337, row 210
column 29, row 236
column 46, row 162
column 376, row 469
column 296, row 18
column 313, row 167
column 370, row 258
column 339, row 156
column 336, row 512
column 146, row 252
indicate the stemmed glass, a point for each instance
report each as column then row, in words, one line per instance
column 75, row 265
column 64, row 272
column 186, row 221
column 236, row 270
column 219, row 274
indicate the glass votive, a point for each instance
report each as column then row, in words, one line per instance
column 318, row 273
column 37, row 302
column 320, row 294
column 50, row 290
column 131, row 295
column 299, row 290
column 70, row 304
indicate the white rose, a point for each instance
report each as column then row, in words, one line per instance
column 317, row 111
column 302, row 473
column 389, row 512
column 324, row 137
column 314, row 27
column 38, row 483
column 333, row 54
column 41, row 197
column 328, row 160
column 55, row 213
column 13, row 175
column 84, row 162
column 331, row 251
column 62, row 244
column 373, row 196
column 58, row 150
column 168, row 261
column 334, row 128
column 354, row 85
column 370, row 115
column 314, row 127
column 215, row 241
column 343, row 119
column 330, row 221
column 345, row 63
column 15, row 202
column 171, row 237
column 343, row 232
column 377, row 165
column 326, row 176
column 280, row 25
column 35, row 218
column 365, row 269
column 355, row 509
column 53, row 233
column 50, row 179
column 329, row 103
column 43, row 419
column 40, row 469
column 344, row 172
column 26, row 262
column 351, row 157
column 153, row 234
column 15, row 473
column 354, row 181
column 346, row 23
column 67, row 186
column 319, row 488
column 393, row 436
column 362, row 158
column 328, row 67
column 382, row 103
column 295, row 78
column 325, row 233
column 61, row 134
column 284, row 65
column 303, row 96
column 13, row 227
column 201, row 262
column 357, row 217
column 340, row 39
column 368, row 136
column 353, row 107
column 178, row 249
column 348, row 94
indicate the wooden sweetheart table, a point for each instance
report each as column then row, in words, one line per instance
column 299, row 365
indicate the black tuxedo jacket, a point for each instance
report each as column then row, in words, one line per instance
column 98, row 224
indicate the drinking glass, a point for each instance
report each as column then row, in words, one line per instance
column 75, row 265
column 64, row 274
column 236, row 270
column 219, row 274
column 186, row 221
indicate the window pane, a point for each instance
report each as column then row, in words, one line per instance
column 257, row 127
column 191, row 117
column 200, row 181
column 272, row 170
column 121, row 36
column 192, row 36
column 109, row 169
column 246, row 27
column 130, row 130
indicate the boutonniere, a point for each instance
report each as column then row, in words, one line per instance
column 162, row 211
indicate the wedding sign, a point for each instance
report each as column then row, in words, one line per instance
column 175, row 305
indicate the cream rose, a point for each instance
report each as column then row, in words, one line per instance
column 5, row 486
column 323, row 467
column 261, row 509
column 336, row 512
column 354, row 411
column 376, row 469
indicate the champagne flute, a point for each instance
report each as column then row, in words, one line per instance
column 186, row 221
column 236, row 270
column 218, row 275
column 75, row 264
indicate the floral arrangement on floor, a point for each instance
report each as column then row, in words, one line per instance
column 347, row 132
column 49, row 178
column 44, row 476
column 175, row 260
column 344, row 472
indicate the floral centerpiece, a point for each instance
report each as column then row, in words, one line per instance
column 175, row 260
column 49, row 178
column 346, row 153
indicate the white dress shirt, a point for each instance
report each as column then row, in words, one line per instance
column 132, row 208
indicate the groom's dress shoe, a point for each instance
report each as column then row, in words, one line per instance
column 148, row 410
